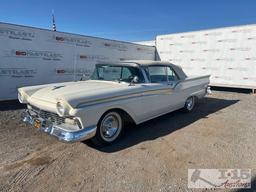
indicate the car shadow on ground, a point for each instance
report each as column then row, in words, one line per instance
column 165, row 124
column 11, row 105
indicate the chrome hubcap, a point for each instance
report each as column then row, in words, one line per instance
column 110, row 126
column 190, row 103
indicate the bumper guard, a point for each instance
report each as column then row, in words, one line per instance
column 57, row 131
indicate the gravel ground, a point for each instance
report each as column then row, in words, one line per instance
column 153, row 156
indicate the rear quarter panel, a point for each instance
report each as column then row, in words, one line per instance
column 192, row 86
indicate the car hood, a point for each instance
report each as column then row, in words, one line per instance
column 75, row 93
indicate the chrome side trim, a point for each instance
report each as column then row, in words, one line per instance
column 167, row 90
column 58, row 131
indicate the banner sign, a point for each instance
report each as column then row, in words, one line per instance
column 32, row 56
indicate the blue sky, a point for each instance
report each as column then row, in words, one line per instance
column 129, row 20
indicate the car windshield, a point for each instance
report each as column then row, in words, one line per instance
column 116, row 73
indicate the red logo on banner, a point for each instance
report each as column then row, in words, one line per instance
column 60, row 71
column 59, row 38
column 83, row 57
column 21, row 53
column 107, row 44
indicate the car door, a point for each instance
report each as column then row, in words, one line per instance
column 157, row 98
column 177, row 97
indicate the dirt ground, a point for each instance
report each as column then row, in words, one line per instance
column 154, row 156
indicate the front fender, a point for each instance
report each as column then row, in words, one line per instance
column 91, row 115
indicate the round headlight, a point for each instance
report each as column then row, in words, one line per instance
column 20, row 97
column 60, row 109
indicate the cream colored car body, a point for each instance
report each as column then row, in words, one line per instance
column 89, row 100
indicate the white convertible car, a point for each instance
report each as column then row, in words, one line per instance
column 99, row 108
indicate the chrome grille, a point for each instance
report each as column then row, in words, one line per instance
column 53, row 117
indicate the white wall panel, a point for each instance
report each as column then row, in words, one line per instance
column 227, row 54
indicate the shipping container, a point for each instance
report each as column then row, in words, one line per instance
column 227, row 54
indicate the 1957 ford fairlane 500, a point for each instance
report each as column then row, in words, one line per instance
column 99, row 108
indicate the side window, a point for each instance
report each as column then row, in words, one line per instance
column 110, row 73
column 100, row 72
column 171, row 75
column 126, row 73
column 157, row 74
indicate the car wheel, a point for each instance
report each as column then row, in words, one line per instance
column 189, row 104
column 109, row 128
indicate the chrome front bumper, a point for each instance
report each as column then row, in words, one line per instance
column 58, row 131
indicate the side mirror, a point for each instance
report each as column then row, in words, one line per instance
column 83, row 76
column 134, row 80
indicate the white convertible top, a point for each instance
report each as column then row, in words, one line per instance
column 176, row 68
